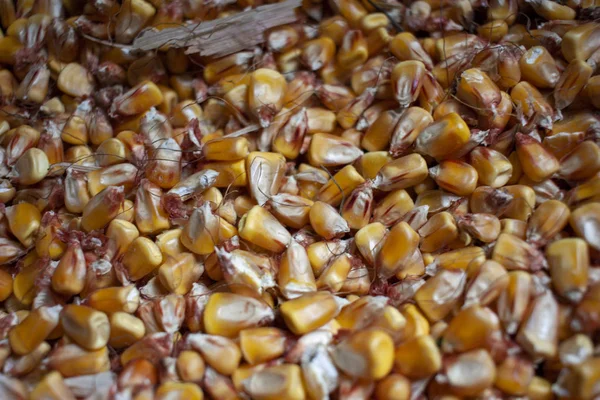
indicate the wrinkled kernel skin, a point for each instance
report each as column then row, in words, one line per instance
column 308, row 200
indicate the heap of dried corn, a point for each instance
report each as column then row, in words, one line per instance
column 301, row 200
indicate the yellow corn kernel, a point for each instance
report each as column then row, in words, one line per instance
column 227, row 67
column 178, row 273
column 7, row 191
column 584, row 220
column 416, row 323
column 265, row 94
column 407, row 80
column 335, row 273
column 371, row 163
column 514, row 375
column 23, row 221
column 493, row 30
column 102, row 208
column 178, row 390
column 531, row 102
column 261, row 228
column 468, row 259
column 226, row 149
column 246, row 312
column 320, row 120
column 138, row 99
column 309, row 312
column 334, row 28
column 71, row 360
column 117, row 175
column 581, row 163
column 455, row 176
column 34, row 86
column 350, row 114
column 571, row 83
column 514, row 253
column 75, row 80
column 9, row 46
column 31, row 167
column 289, row 138
column 290, row 210
column 444, row 138
column 361, row 313
column 401, row 173
column 580, row 42
column 126, row 211
column 481, row 226
column 478, row 90
column 150, row 215
column 120, row 235
column 204, row 230
column 482, row 323
column 353, row 50
column 6, row 285
column 369, row 239
column 125, row 330
column 493, row 168
column 358, row 206
column 141, row 258
column 310, row 179
column 393, row 207
column 486, row 284
column 592, row 89
column 418, row 358
column 295, row 275
column 522, row 204
column 378, row 135
column 69, row 276
column 548, row 219
column 393, row 387
column 34, row 329
column 440, row 293
column 410, row 124
column 540, row 389
column 568, row 260
column 400, row 243
column 259, row 345
column 326, row 221
column 190, row 366
column 87, row 327
column 539, row 68
column 110, row 152
column 537, row 162
column 220, row 353
column 115, row 299
column 317, row 53
column 405, row 46
column 371, row 352
column 51, row 387
column 438, row 232
column 514, row 300
column 340, row 186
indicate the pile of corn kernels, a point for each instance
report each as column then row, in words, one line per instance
column 387, row 199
